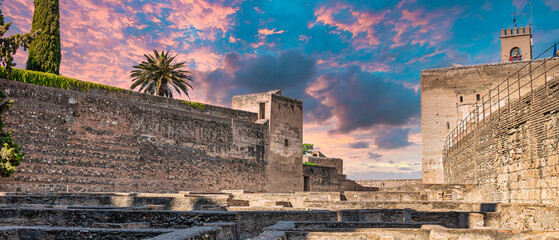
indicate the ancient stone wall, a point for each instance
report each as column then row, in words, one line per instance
column 388, row 183
column 513, row 152
column 336, row 163
column 448, row 95
column 323, row 179
column 107, row 141
column 285, row 120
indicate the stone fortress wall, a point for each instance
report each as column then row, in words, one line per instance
column 325, row 174
column 447, row 96
column 108, row 141
column 284, row 117
column 512, row 154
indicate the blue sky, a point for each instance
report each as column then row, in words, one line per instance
column 355, row 64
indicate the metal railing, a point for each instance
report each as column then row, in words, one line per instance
column 514, row 88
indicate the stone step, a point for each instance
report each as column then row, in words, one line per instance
column 132, row 225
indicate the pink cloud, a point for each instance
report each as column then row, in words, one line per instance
column 204, row 58
column 364, row 23
column 265, row 32
column 420, row 27
column 520, row 4
column 201, row 15
column 20, row 12
column 553, row 4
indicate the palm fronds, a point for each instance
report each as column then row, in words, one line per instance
column 158, row 75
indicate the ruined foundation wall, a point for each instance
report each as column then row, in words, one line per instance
column 323, row 179
column 513, row 153
column 336, row 163
column 107, row 141
column 389, row 183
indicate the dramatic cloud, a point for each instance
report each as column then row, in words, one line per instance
column 392, row 138
column 373, row 155
column 205, row 16
column 289, row 71
column 362, row 100
column 358, row 145
column 421, row 27
column 359, row 23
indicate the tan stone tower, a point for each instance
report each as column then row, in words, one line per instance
column 284, row 116
column 516, row 44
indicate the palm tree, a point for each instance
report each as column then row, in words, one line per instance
column 158, row 74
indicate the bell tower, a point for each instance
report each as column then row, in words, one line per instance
column 516, row 44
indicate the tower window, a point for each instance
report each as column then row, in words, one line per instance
column 461, row 99
column 515, row 54
column 447, row 125
column 286, row 142
column 262, row 111
column 477, row 97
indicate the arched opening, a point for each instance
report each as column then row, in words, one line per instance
column 515, row 54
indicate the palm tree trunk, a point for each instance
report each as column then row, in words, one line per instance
column 161, row 91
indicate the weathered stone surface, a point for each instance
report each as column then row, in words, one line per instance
column 285, row 120
column 104, row 141
column 381, row 184
column 442, row 110
column 51, row 233
column 512, row 154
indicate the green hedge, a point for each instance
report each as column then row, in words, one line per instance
column 309, row 163
column 53, row 80
column 57, row 81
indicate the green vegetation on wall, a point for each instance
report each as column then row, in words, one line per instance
column 309, row 163
column 44, row 51
column 194, row 104
column 10, row 152
column 57, row 81
column 307, row 148
column 53, row 80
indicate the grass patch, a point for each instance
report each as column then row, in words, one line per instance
column 57, row 81
column 309, row 163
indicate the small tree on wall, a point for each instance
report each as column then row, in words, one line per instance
column 9, row 45
column 10, row 152
column 307, row 148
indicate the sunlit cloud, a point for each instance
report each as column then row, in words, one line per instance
column 361, row 22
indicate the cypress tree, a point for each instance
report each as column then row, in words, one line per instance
column 44, row 51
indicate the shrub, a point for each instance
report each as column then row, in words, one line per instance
column 10, row 152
